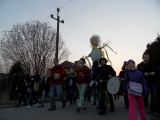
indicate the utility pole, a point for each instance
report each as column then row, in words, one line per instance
column 57, row 37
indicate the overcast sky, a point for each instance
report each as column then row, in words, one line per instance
column 128, row 24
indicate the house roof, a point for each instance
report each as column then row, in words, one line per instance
column 67, row 64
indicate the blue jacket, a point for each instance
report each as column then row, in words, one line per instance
column 135, row 76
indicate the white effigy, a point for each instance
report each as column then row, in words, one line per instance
column 95, row 54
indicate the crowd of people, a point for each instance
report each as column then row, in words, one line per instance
column 138, row 85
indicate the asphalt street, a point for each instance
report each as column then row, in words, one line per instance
column 67, row 113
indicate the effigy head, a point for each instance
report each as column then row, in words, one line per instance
column 95, row 40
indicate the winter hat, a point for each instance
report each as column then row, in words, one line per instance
column 130, row 60
column 103, row 59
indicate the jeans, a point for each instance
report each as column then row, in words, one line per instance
column 44, row 93
column 23, row 96
column 32, row 97
column 71, row 96
column 94, row 93
column 56, row 92
column 81, row 90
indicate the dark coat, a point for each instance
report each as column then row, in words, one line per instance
column 103, row 72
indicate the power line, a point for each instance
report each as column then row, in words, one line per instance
column 46, row 18
column 78, row 12
column 64, row 5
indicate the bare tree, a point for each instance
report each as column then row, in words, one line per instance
column 33, row 44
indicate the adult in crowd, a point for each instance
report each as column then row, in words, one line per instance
column 121, row 75
column 45, row 86
column 34, row 87
column 151, row 75
column 83, row 78
column 71, row 87
column 22, row 88
column 104, row 72
column 56, row 85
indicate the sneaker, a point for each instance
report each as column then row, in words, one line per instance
column 36, row 105
column 17, row 106
column 40, row 105
column 78, row 109
column 28, row 106
column 84, row 108
column 111, row 110
column 50, row 109
column 102, row 112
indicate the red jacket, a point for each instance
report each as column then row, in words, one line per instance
column 83, row 75
column 58, row 70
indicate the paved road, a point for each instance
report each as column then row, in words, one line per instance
column 67, row 113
